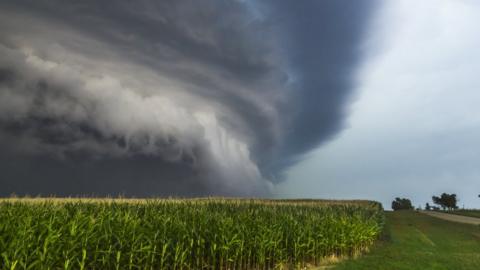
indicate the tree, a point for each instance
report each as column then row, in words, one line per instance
column 427, row 207
column 446, row 201
column 438, row 201
column 402, row 204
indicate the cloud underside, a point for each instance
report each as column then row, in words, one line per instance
column 163, row 98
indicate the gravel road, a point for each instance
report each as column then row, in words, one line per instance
column 452, row 217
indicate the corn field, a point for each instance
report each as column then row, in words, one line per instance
column 183, row 234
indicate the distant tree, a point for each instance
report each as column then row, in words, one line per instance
column 427, row 207
column 402, row 204
column 438, row 201
column 446, row 201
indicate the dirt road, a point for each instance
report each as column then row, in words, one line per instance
column 452, row 217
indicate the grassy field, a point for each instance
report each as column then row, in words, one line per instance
column 416, row 241
column 183, row 234
column 466, row 212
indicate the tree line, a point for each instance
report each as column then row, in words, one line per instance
column 445, row 202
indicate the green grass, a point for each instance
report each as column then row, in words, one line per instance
column 416, row 241
column 182, row 234
column 466, row 212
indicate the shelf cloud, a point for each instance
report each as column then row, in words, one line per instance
column 158, row 98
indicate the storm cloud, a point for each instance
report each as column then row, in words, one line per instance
column 157, row 98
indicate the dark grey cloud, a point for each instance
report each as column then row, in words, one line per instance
column 169, row 97
column 323, row 50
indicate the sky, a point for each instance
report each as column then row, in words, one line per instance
column 341, row 99
column 413, row 127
